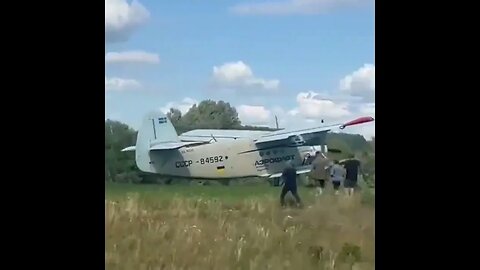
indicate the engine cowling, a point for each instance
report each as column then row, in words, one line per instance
column 296, row 140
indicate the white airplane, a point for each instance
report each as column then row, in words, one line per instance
column 223, row 154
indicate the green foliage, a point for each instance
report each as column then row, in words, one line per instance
column 209, row 115
column 372, row 144
column 119, row 166
column 351, row 142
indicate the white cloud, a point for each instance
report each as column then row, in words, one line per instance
column 360, row 83
column 294, row 119
column 368, row 109
column 254, row 115
column 312, row 106
column 286, row 7
column 122, row 19
column 183, row 105
column 119, row 84
column 238, row 75
column 131, row 57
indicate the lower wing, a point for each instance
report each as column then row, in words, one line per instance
column 300, row 170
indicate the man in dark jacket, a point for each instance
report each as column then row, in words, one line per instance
column 289, row 177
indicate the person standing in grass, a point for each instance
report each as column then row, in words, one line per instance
column 320, row 171
column 352, row 168
column 289, row 178
column 337, row 174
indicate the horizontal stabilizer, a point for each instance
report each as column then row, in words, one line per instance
column 130, row 148
column 170, row 145
column 164, row 146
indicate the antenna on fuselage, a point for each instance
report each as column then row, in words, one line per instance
column 276, row 121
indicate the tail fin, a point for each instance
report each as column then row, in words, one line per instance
column 156, row 128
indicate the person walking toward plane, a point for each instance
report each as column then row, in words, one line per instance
column 289, row 177
column 320, row 171
column 352, row 168
column 337, row 174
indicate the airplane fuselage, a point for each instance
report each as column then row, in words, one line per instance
column 222, row 154
column 227, row 159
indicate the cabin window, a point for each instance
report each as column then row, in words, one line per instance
column 261, row 154
column 274, row 152
column 268, row 153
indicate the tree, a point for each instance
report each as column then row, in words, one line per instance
column 372, row 143
column 119, row 165
column 175, row 116
column 338, row 144
column 356, row 142
column 208, row 114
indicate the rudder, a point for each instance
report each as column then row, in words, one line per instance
column 156, row 128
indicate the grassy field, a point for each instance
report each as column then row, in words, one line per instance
column 240, row 227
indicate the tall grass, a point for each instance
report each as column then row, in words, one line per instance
column 331, row 232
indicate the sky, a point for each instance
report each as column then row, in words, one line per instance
column 303, row 61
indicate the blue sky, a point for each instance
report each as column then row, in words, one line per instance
column 302, row 60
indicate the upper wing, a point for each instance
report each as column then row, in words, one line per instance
column 196, row 137
column 308, row 134
column 208, row 135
